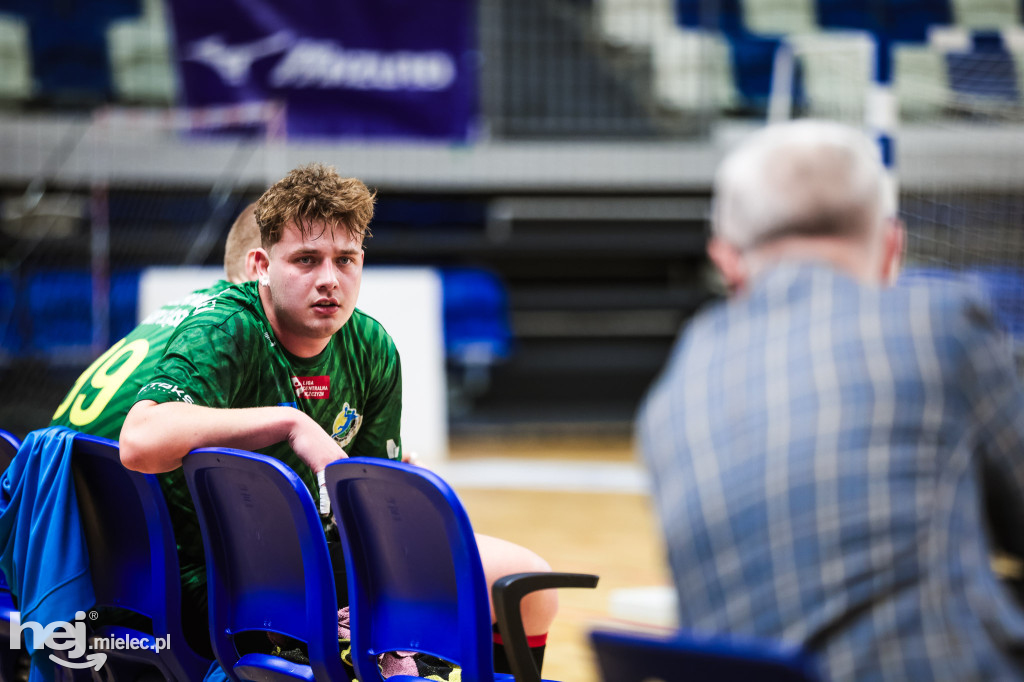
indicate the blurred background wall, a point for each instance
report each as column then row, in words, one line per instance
column 551, row 159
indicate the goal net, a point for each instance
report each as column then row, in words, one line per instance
column 104, row 203
column 958, row 136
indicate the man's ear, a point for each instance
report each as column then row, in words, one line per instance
column 893, row 248
column 260, row 262
column 730, row 262
column 250, row 265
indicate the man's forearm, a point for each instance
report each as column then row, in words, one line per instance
column 155, row 437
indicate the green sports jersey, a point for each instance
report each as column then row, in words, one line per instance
column 100, row 399
column 226, row 355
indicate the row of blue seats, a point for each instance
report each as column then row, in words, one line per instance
column 985, row 71
column 270, row 569
column 905, row 20
column 50, row 312
column 133, row 565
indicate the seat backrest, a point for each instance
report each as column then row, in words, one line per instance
column 132, row 554
column 268, row 568
column 9, row 445
column 415, row 580
column 632, row 657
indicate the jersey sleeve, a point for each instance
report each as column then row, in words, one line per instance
column 201, row 365
column 380, row 435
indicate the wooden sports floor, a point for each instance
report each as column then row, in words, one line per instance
column 580, row 504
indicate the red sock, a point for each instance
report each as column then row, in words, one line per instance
column 537, row 643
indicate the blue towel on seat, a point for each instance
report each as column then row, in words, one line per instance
column 42, row 546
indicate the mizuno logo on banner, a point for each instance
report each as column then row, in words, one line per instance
column 325, row 64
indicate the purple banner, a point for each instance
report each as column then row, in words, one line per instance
column 373, row 68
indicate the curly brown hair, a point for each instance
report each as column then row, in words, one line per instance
column 314, row 197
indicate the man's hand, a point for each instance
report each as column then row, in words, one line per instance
column 315, row 447
column 312, row 444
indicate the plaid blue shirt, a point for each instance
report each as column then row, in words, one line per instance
column 833, row 465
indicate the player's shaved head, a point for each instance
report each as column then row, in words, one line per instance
column 243, row 237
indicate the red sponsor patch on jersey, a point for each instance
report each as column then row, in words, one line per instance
column 314, row 388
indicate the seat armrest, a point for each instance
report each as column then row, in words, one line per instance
column 507, row 593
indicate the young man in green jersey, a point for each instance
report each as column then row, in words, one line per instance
column 288, row 366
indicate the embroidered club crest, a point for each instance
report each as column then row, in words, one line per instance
column 346, row 425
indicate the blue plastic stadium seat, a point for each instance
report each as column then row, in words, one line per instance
column 133, row 558
column 268, row 567
column 986, row 73
column 415, row 579
column 629, row 657
column 476, row 318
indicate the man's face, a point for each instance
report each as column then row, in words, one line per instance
column 312, row 285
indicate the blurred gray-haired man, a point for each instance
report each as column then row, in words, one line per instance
column 834, row 460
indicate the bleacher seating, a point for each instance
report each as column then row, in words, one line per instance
column 834, row 44
column 631, row 23
column 692, row 70
column 985, row 14
column 15, row 60
column 920, row 81
column 779, row 17
column 837, row 70
column 985, row 73
column 69, row 51
column 122, row 48
column 140, row 57
column 960, row 71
